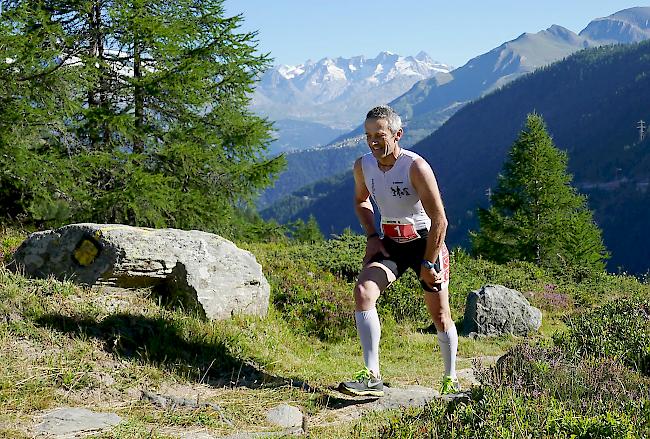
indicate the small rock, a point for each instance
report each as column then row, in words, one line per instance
column 261, row 434
column 467, row 376
column 134, row 393
column 14, row 317
column 106, row 379
column 197, row 435
column 285, row 415
column 71, row 420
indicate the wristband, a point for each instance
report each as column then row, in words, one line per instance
column 372, row 235
column 428, row 264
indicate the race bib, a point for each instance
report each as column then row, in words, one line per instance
column 399, row 229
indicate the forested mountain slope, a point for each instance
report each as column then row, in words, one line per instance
column 591, row 102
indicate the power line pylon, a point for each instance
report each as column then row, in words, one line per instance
column 642, row 129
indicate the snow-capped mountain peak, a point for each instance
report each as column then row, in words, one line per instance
column 331, row 90
column 393, row 65
column 290, row 72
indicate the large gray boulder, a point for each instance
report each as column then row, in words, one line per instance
column 196, row 267
column 496, row 310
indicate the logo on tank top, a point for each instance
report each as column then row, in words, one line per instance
column 398, row 191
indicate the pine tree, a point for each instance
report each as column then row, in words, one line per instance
column 536, row 215
column 307, row 232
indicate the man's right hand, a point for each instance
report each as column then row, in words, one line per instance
column 374, row 246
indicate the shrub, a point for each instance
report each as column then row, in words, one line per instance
column 342, row 255
column 620, row 329
column 495, row 413
column 321, row 313
column 305, row 293
column 583, row 384
column 404, row 301
column 538, row 391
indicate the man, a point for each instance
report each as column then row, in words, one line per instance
column 413, row 225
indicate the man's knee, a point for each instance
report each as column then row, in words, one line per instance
column 439, row 311
column 441, row 318
column 366, row 291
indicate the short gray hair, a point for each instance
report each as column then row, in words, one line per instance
column 385, row 112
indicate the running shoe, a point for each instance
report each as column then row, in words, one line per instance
column 449, row 385
column 364, row 384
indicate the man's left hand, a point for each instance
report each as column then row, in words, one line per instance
column 432, row 278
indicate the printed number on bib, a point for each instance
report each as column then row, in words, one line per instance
column 399, row 229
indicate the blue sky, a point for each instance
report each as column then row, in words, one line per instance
column 450, row 31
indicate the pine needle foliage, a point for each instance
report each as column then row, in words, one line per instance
column 33, row 107
column 536, row 215
column 139, row 109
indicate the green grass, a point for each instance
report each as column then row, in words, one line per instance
column 65, row 345
column 10, row 239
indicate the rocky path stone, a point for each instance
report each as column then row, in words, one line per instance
column 466, row 376
column 286, row 416
column 337, row 408
column 173, row 402
column 196, row 435
column 70, row 422
column 408, row 396
column 342, row 408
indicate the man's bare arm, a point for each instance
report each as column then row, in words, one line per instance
column 425, row 184
column 362, row 205
column 365, row 213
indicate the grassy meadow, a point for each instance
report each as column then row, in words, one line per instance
column 586, row 374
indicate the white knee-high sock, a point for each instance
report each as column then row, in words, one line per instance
column 448, row 342
column 369, row 330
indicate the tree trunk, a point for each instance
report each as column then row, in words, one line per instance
column 138, row 95
column 95, row 50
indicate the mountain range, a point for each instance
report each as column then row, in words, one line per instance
column 430, row 102
column 333, row 91
column 591, row 101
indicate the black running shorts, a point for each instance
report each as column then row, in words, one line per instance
column 403, row 256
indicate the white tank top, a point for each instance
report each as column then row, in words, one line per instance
column 393, row 192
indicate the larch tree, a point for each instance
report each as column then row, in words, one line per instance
column 35, row 180
column 161, row 135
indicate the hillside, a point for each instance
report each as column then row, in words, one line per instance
column 303, row 169
column 168, row 373
column 597, row 129
column 426, row 104
column 626, row 26
column 290, row 133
